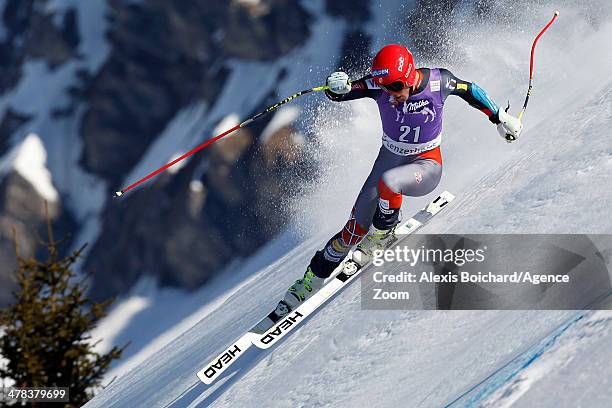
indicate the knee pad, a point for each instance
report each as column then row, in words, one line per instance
column 388, row 199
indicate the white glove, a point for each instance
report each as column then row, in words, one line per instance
column 509, row 127
column 339, row 83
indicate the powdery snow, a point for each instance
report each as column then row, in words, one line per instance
column 285, row 116
column 148, row 313
column 565, row 358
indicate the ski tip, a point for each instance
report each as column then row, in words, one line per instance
column 556, row 12
column 203, row 378
column 118, row 194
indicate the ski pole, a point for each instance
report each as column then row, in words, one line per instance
column 214, row 139
column 520, row 115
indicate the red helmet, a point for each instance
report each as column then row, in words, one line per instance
column 394, row 63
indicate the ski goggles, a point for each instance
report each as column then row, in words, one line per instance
column 396, row 86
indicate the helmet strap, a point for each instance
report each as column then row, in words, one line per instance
column 417, row 83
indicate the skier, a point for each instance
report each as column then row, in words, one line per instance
column 409, row 163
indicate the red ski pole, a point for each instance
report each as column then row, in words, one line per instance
column 520, row 115
column 214, row 139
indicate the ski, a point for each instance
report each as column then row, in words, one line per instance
column 346, row 272
column 220, row 363
column 282, row 320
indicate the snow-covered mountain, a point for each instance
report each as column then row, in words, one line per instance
column 556, row 179
column 116, row 88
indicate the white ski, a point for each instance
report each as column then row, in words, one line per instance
column 281, row 321
column 220, row 363
column 346, row 273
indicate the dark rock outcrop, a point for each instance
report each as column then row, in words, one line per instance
column 354, row 11
column 264, row 30
column 11, row 121
column 30, row 33
column 23, row 209
column 55, row 45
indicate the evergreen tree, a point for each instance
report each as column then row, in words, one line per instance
column 46, row 331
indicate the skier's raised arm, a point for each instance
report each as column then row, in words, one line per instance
column 341, row 88
column 507, row 125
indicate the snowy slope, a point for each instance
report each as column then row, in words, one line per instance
column 572, row 358
column 556, row 179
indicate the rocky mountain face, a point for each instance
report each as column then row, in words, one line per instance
column 164, row 56
column 22, row 213
column 26, row 211
column 183, row 226
column 170, row 54
column 29, row 33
